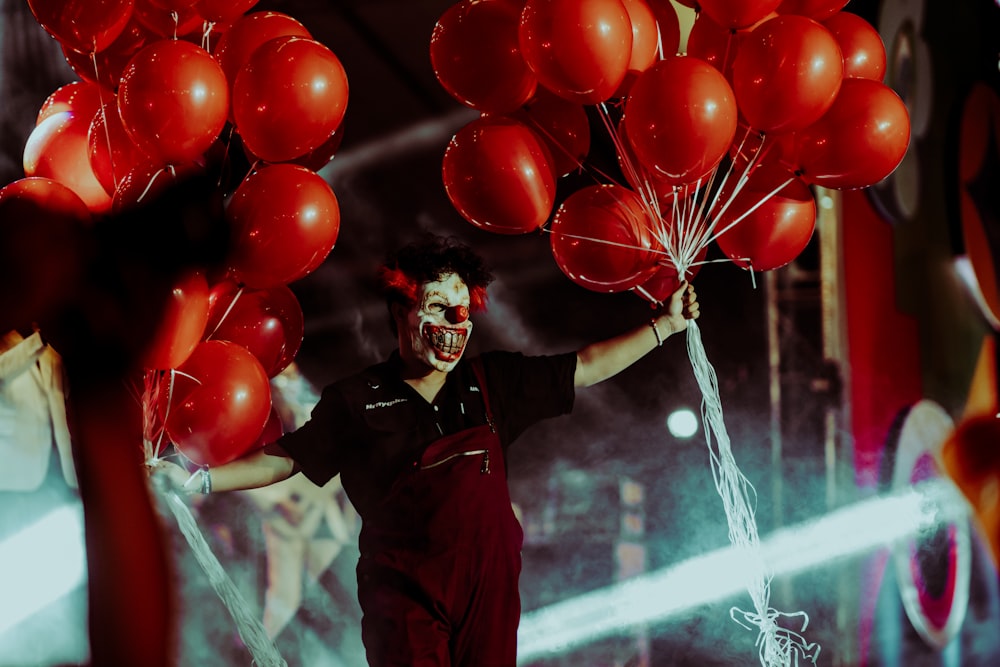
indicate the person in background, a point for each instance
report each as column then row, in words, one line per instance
column 421, row 442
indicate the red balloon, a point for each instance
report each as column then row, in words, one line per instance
column 497, row 174
column 41, row 225
column 167, row 23
column 476, row 57
column 859, row 141
column 738, row 13
column 272, row 431
column 173, row 100
column 579, row 50
column 777, row 148
column 562, row 125
column 220, row 403
column 57, row 148
column 181, row 325
column 267, row 322
column 224, row 11
column 83, row 98
column 861, row 45
column 315, row 159
column 111, row 151
column 106, row 66
column 669, row 25
column 787, row 73
column 714, row 44
column 285, row 221
column 173, row 5
column 680, row 118
column 83, row 25
column 289, row 98
column 817, row 10
column 146, row 181
column 662, row 284
column 763, row 234
column 602, row 238
column 645, row 36
column 249, row 32
column 638, row 176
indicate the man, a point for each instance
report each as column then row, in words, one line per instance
column 420, row 442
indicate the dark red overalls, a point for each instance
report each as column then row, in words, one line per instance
column 441, row 557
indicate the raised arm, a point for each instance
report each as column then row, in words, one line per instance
column 599, row 361
column 259, row 468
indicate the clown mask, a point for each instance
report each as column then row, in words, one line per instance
column 437, row 327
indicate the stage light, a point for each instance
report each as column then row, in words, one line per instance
column 41, row 564
column 682, row 423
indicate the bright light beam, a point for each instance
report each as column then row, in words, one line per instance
column 40, row 564
column 719, row 574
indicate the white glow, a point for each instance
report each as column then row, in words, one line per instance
column 40, row 564
column 199, row 92
column 682, row 423
column 725, row 572
column 967, row 274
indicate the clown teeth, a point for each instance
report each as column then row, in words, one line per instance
column 447, row 341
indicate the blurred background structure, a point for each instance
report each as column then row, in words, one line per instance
column 840, row 376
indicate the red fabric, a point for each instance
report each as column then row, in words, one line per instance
column 441, row 557
column 883, row 343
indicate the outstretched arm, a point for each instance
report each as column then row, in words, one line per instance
column 259, row 468
column 600, row 361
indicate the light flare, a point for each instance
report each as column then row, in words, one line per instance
column 719, row 574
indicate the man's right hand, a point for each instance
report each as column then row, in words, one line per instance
column 173, row 476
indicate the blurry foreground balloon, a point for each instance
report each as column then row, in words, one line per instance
column 181, row 325
column 41, row 232
column 971, row 457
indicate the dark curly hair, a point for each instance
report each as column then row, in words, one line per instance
column 427, row 259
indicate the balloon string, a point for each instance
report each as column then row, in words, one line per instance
column 251, row 630
column 778, row 647
column 229, row 308
column 535, row 125
column 206, row 35
column 753, row 208
column 104, row 117
column 152, row 179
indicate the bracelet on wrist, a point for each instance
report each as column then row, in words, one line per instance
column 206, row 480
column 656, row 332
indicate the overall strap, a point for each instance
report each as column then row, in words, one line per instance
column 480, row 373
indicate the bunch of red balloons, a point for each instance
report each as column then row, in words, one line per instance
column 720, row 143
column 165, row 88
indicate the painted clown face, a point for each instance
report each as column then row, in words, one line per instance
column 438, row 326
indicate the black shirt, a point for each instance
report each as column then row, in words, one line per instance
column 370, row 426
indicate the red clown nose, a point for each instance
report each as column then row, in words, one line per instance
column 458, row 314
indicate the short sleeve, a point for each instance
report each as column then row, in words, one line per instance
column 527, row 389
column 317, row 447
